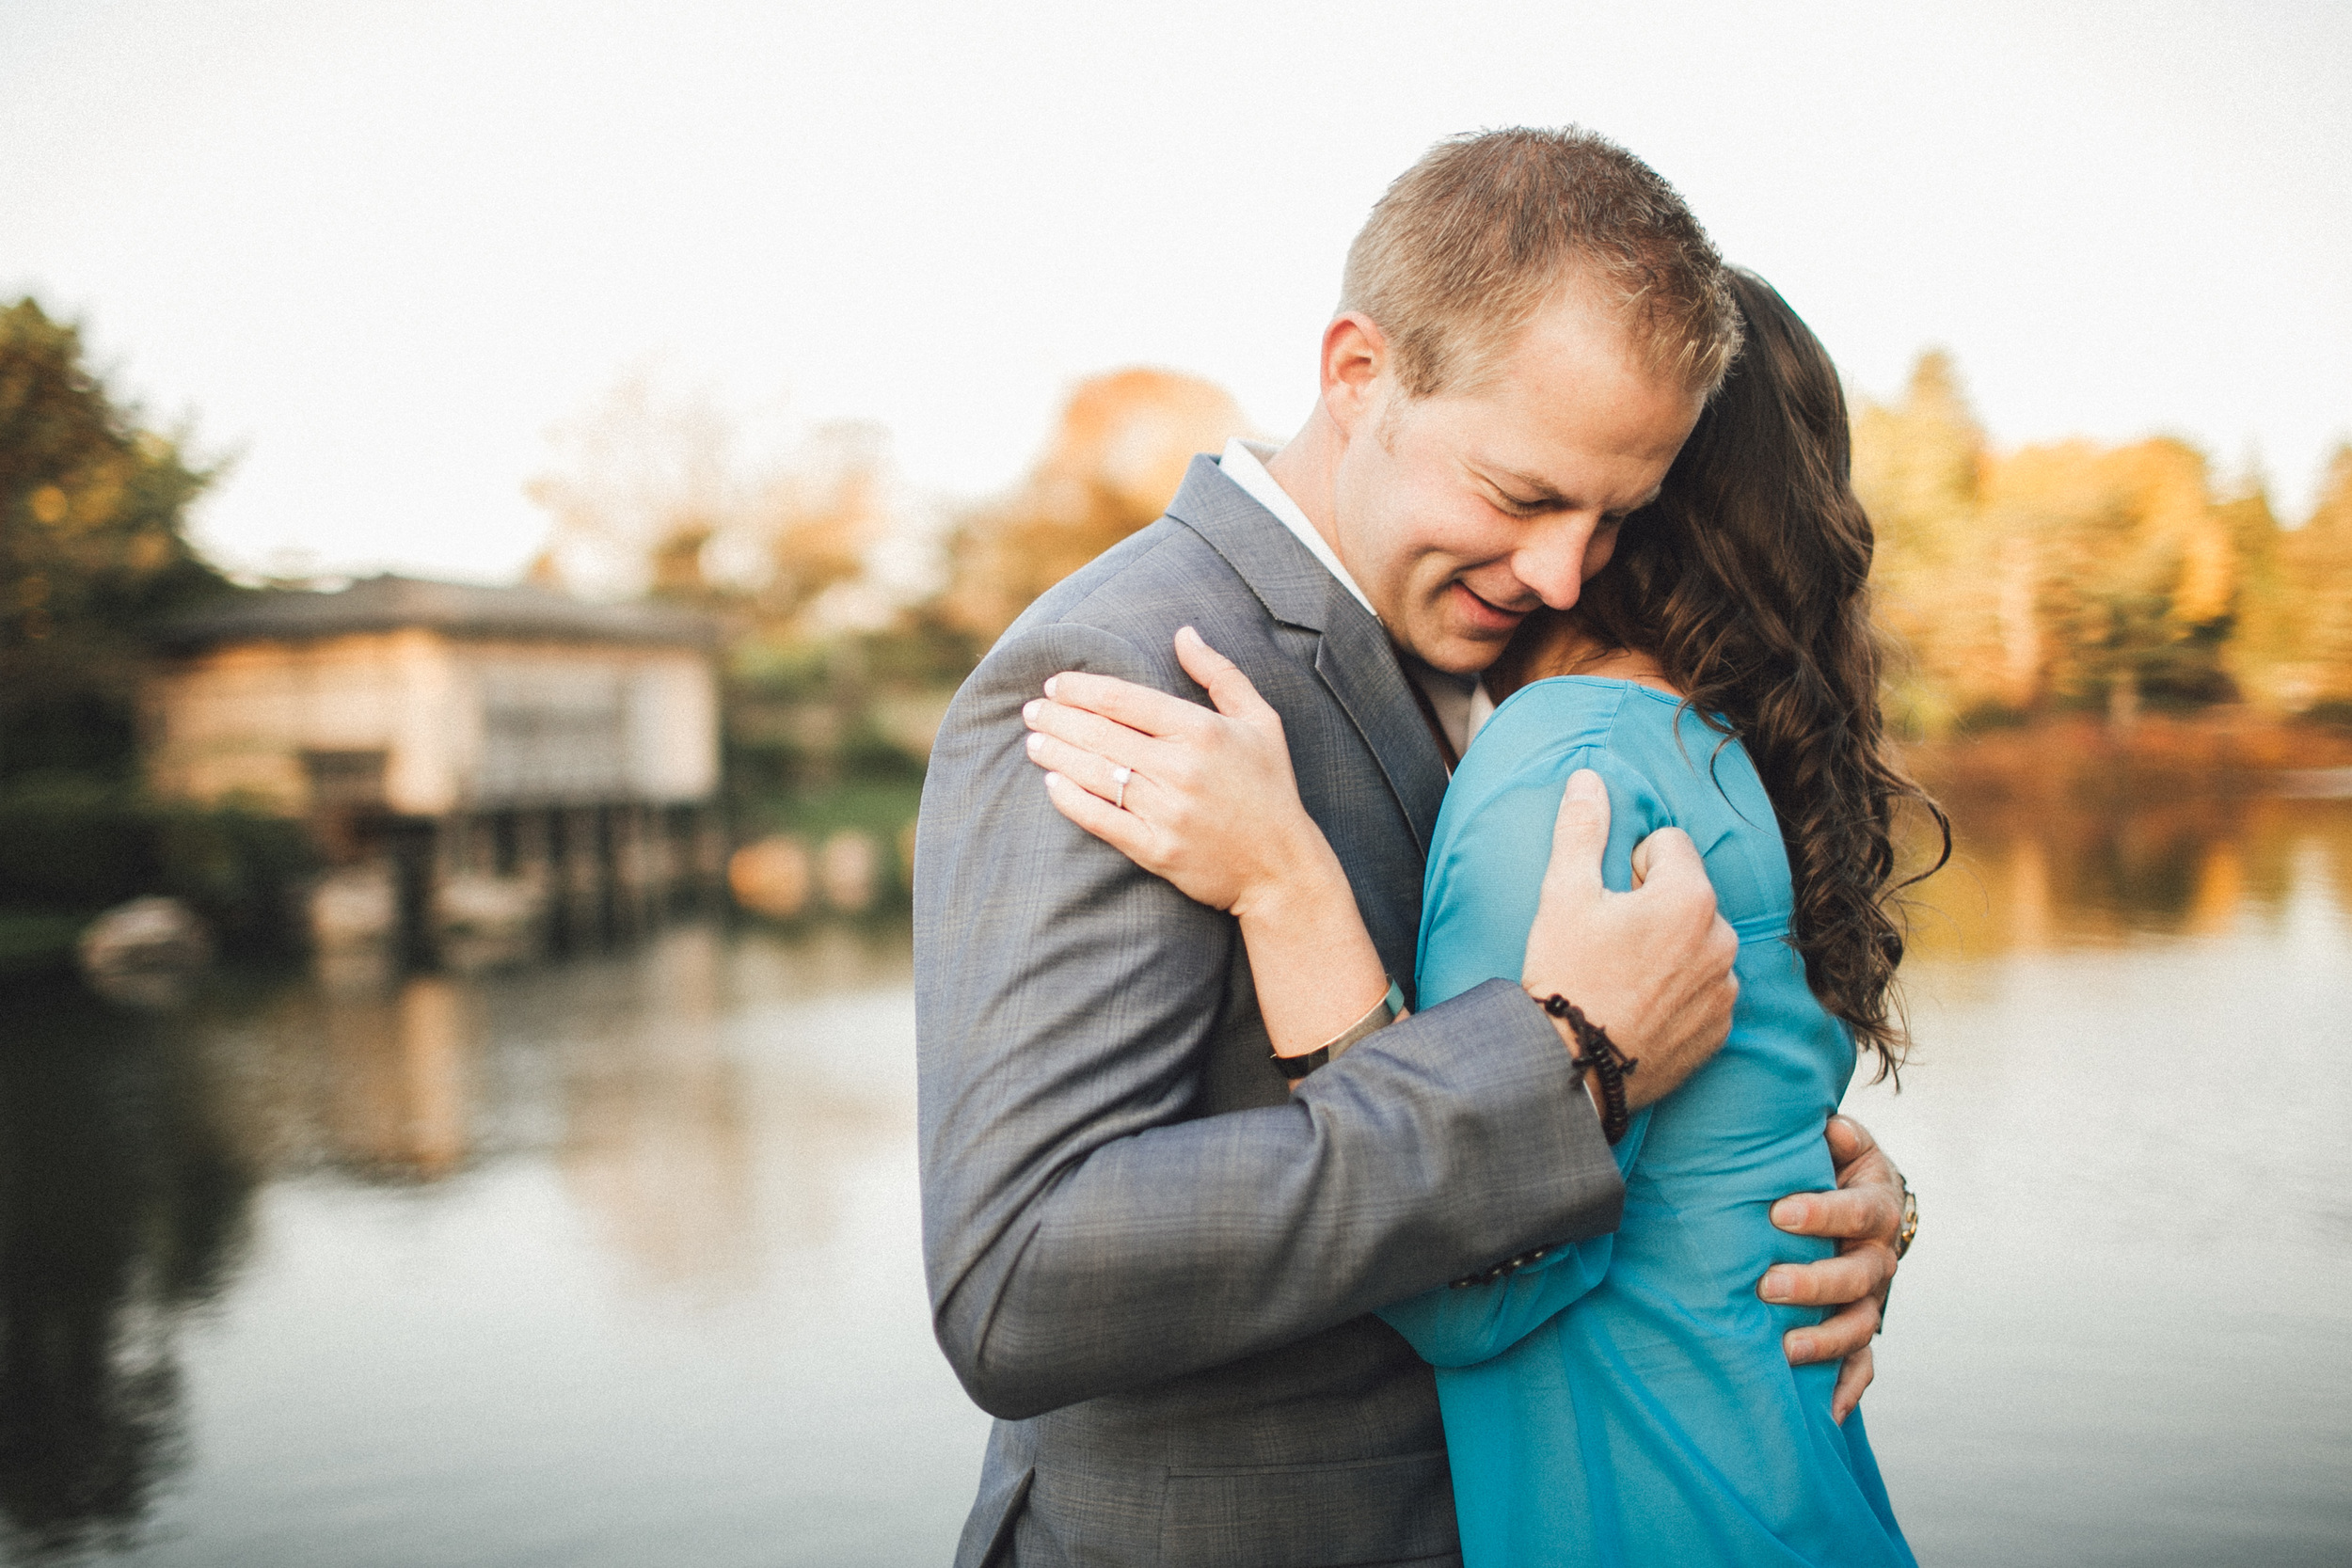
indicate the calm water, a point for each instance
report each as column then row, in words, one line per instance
column 614, row 1262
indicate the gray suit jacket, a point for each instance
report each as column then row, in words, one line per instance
column 1145, row 1257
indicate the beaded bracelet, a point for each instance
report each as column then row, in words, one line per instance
column 1598, row 1054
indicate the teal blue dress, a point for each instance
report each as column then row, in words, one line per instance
column 1625, row 1401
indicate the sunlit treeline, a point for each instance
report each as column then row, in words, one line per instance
column 2072, row 575
column 2066, row 576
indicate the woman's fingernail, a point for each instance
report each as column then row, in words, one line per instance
column 1052, row 779
column 1050, row 684
column 1036, row 743
column 1030, row 709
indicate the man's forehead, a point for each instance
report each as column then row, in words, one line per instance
column 1551, row 442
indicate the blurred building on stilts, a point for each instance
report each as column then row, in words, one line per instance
column 486, row 770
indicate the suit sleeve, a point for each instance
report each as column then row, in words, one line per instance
column 1085, row 1231
column 1481, row 902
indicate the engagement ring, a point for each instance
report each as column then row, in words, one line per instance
column 1120, row 777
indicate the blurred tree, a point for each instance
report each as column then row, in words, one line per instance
column 651, row 491
column 2136, row 569
column 2081, row 576
column 642, row 480
column 811, row 527
column 2316, row 564
column 1112, row 465
column 93, row 550
column 775, row 533
column 1958, row 600
column 2262, row 631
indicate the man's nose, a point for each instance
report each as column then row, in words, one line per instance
column 1552, row 560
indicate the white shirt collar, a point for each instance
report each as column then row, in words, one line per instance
column 1244, row 464
column 1463, row 712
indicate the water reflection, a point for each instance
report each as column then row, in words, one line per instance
column 614, row 1260
column 658, row 1139
column 2035, row 876
column 121, row 1206
column 2125, row 1338
column 671, row 1087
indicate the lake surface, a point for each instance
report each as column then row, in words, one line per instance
column 614, row 1260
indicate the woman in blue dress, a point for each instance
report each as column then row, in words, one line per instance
column 1627, row 1400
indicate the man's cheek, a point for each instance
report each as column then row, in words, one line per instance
column 1598, row 554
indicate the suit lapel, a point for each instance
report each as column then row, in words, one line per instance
column 1360, row 668
column 1353, row 655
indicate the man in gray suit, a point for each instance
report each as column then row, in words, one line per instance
column 1152, row 1259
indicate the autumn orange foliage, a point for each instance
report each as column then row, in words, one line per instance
column 2072, row 575
column 1113, row 463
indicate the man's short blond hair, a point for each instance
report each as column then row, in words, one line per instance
column 1476, row 238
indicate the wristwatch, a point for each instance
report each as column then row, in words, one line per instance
column 1384, row 1012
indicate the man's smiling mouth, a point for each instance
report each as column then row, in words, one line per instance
column 1485, row 614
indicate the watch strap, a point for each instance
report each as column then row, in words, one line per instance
column 1384, row 1012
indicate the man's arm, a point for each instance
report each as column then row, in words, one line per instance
column 1085, row 1232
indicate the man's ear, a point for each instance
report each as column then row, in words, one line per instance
column 1354, row 369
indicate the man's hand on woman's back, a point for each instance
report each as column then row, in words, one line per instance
column 1863, row 1215
column 1653, row 965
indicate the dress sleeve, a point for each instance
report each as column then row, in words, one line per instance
column 1484, row 886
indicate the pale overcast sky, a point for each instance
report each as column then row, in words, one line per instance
column 379, row 248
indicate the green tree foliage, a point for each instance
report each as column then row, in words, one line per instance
column 93, row 552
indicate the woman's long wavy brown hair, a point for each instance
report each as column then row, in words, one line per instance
column 1748, row 581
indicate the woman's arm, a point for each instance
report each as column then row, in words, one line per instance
column 1481, row 898
column 1221, row 817
column 1317, row 972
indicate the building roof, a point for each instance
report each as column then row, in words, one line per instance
column 390, row 603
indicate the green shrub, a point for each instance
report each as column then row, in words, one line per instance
column 70, row 848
